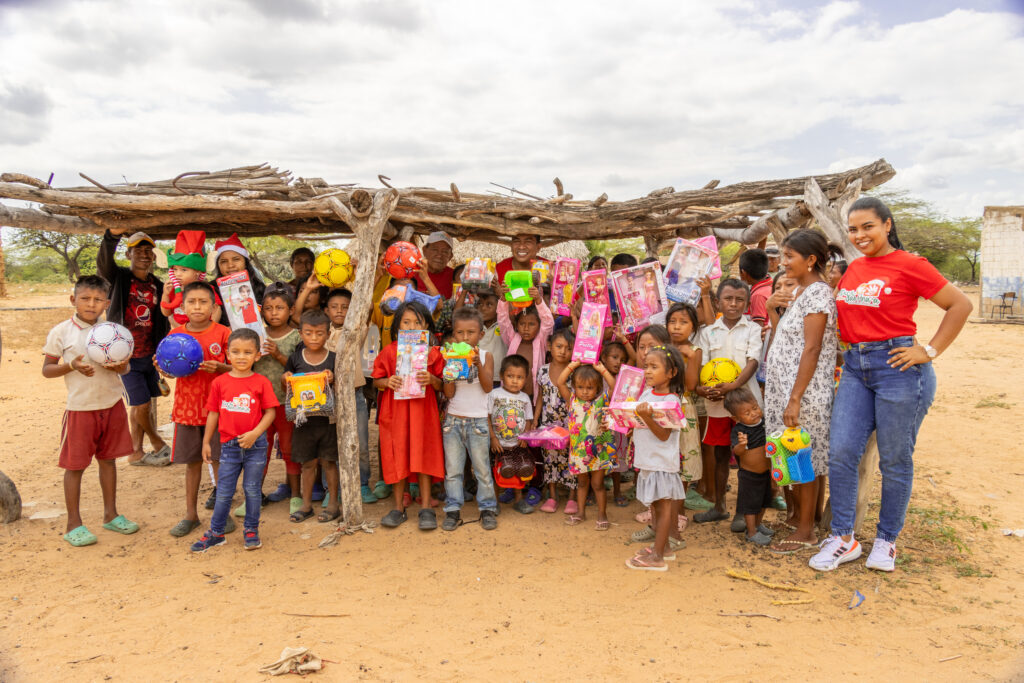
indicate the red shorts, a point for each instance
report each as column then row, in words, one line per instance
column 87, row 433
column 718, row 431
column 283, row 429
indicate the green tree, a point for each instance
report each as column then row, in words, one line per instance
column 609, row 248
column 74, row 255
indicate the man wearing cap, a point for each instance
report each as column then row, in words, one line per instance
column 438, row 251
column 135, row 303
column 524, row 253
column 773, row 260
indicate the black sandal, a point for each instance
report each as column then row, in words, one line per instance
column 328, row 516
column 300, row 515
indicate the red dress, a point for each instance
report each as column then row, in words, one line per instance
column 410, row 429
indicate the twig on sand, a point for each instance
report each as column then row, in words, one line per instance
column 748, row 614
column 318, row 616
column 949, row 659
column 87, row 659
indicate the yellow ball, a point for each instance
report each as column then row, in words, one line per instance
column 795, row 438
column 333, row 268
column 719, row 371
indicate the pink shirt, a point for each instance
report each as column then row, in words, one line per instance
column 512, row 338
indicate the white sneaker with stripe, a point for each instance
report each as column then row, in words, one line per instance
column 834, row 552
column 882, row 557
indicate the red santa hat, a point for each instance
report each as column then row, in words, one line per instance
column 230, row 244
column 189, row 250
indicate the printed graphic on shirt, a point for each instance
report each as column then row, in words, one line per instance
column 215, row 349
column 866, row 294
column 508, row 419
column 238, row 404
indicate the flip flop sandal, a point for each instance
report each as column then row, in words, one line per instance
column 621, row 501
column 300, row 515
column 643, row 563
column 80, row 536
column 328, row 516
column 603, row 526
column 573, row 520
column 184, row 527
column 791, row 547
column 121, row 525
column 670, row 557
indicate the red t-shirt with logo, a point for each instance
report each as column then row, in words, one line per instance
column 239, row 402
column 190, row 392
column 138, row 315
column 877, row 296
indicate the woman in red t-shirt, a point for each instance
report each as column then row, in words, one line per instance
column 888, row 381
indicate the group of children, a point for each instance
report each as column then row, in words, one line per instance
column 229, row 413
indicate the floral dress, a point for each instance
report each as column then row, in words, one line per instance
column 783, row 362
column 554, row 411
column 590, row 445
column 689, row 441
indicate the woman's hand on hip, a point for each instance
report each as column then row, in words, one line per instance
column 908, row 357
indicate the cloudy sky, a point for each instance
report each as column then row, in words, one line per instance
column 611, row 97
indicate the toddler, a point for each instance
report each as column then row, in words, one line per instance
column 755, row 482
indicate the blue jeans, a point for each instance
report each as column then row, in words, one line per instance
column 462, row 435
column 875, row 397
column 249, row 462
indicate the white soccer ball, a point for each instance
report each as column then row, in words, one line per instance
column 109, row 344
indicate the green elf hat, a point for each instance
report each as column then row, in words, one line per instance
column 189, row 250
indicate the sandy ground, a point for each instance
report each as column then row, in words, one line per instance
column 534, row 600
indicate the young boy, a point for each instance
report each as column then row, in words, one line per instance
column 511, row 411
column 190, row 393
column 737, row 337
column 465, row 427
column 316, row 440
column 490, row 339
column 95, row 420
column 754, row 490
column 241, row 407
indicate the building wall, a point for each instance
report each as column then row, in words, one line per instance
column 1002, row 258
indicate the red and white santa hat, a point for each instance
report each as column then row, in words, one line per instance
column 230, row 244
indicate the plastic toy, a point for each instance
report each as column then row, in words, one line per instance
column 668, row 414
column 240, row 304
column 629, row 384
column 519, row 283
column 109, row 344
column 541, row 271
column 179, row 354
column 595, row 291
column 333, row 268
column 478, row 274
column 790, row 465
column 554, row 437
column 413, row 352
column 393, row 297
column 640, row 296
column 308, row 394
column 458, row 361
column 402, row 259
column 688, row 263
column 563, row 285
column 589, row 334
column 719, row 371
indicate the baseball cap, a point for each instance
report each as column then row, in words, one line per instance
column 439, row 236
column 771, row 250
column 138, row 238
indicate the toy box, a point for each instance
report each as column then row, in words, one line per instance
column 413, row 352
column 478, row 274
column 308, row 394
column 541, row 271
column 688, row 263
column 240, row 304
column 790, row 453
column 668, row 414
column 394, row 297
column 554, row 437
column 640, row 296
column 595, row 291
column 628, row 386
column 711, row 243
column 519, row 283
column 458, row 361
column 563, row 285
column 589, row 334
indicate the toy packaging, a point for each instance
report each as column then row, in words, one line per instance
column 790, row 453
column 688, row 263
column 554, row 437
column 458, row 361
column 240, row 304
column 413, row 351
column 519, row 283
column 711, row 243
column 478, row 274
column 308, row 394
column 668, row 414
column 563, row 285
column 394, row 297
column 595, row 291
column 541, row 271
column 589, row 334
column 640, row 295
column 629, row 384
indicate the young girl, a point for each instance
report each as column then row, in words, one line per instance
column 282, row 339
column 658, row 484
column 528, row 335
column 312, row 294
column 551, row 409
column 614, row 354
column 590, row 443
column 233, row 257
column 682, row 327
column 410, row 429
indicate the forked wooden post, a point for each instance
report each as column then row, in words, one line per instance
column 367, row 215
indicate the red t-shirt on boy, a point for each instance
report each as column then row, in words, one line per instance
column 240, row 402
column 878, row 296
column 506, row 265
column 190, row 392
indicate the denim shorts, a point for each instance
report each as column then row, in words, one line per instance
column 141, row 383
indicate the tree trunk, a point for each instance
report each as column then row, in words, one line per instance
column 367, row 218
column 3, row 269
column 831, row 215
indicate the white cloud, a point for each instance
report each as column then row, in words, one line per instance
column 429, row 93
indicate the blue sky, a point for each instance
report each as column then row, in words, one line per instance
column 609, row 97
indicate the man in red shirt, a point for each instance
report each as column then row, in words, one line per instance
column 438, row 251
column 524, row 252
column 754, row 271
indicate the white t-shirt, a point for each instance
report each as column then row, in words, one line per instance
column 510, row 413
column 99, row 392
column 742, row 343
column 651, row 453
column 469, row 400
column 493, row 344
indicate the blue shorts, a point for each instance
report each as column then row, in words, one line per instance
column 142, row 381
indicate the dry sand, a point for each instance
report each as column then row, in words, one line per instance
column 534, row 600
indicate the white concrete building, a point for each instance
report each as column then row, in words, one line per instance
column 1002, row 263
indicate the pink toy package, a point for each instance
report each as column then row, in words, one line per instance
column 640, row 296
column 589, row 334
column 595, row 291
column 668, row 414
column 628, row 387
column 711, row 243
column 563, row 285
column 554, row 437
column 413, row 353
column 688, row 263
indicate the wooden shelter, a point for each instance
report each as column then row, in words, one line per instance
column 262, row 200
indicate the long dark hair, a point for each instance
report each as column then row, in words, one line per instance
column 259, row 288
column 673, row 360
column 884, row 214
column 421, row 312
column 807, row 243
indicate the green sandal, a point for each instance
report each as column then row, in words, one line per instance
column 121, row 525
column 80, row 536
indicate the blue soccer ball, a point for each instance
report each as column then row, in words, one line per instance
column 179, row 355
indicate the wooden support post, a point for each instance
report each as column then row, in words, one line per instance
column 367, row 217
column 831, row 215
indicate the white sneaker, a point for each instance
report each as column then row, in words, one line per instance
column 882, row 557
column 834, row 552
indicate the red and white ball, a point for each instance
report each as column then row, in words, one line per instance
column 109, row 344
